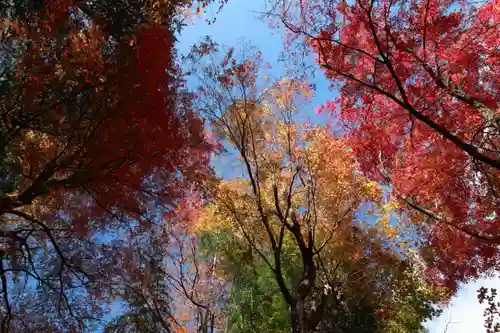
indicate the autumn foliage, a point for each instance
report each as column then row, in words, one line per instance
column 362, row 223
column 87, row 117
column 419, row 103
column 97, row 132
column 293, row 210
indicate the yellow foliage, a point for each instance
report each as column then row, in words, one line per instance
column 370, row 188
column 389, row 207
column 297, row 167
column 385, row 214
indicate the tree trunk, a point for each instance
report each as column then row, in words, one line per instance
column 298, row 317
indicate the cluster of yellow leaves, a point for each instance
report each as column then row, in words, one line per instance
column 159, row 9
column 312, row 171
column 42, row 140
column 285, row 91
column 333, row 166
column 302, row 170
column 34, row 147
column 386, row 211
column 214, row 216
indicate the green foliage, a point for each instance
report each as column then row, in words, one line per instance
column 412, row 311
column 391, row 300
column 357, row 317
column 255, row 304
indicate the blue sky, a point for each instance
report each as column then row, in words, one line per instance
column 237, row 22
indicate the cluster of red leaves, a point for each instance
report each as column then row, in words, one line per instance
column 419, row 100
column 101, row 124
column 100, row 138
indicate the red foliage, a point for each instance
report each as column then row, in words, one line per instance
column 133, row 123
column 419, row 100
column 97, row 140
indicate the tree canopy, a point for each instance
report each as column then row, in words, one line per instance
column 419, row 103
column 116, row 214
column 97, row 134
column 294, row 213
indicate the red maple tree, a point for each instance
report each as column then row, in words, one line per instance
column 97, row 133
column 418, row 98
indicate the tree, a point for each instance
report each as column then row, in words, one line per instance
column 97, row 141
column 418, row 101
column 297, row 200
column 178, row 287
column 255, row 304
column 491, row 313
column 195, row 273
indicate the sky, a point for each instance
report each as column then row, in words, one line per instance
column 465, row 314
column 239, row 22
